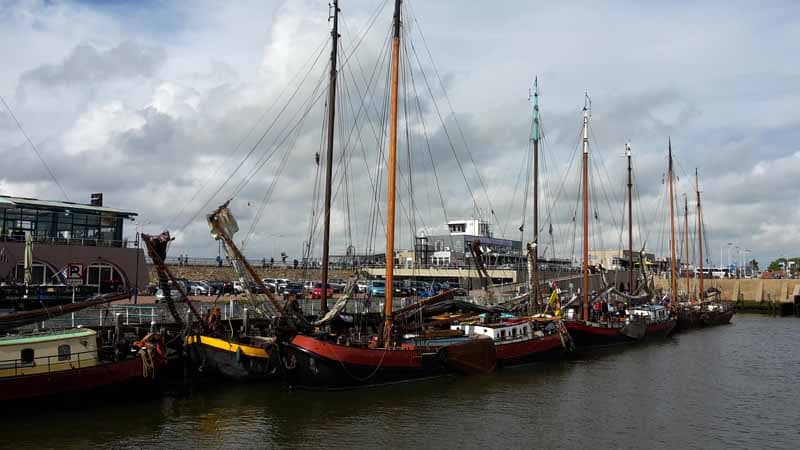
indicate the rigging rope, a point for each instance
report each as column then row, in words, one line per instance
column 35, row 150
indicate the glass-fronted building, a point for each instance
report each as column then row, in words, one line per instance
column 64, row 233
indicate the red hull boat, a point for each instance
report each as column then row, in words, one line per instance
column 313, row 363
column 108, row 375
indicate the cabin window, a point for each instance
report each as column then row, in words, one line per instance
column 513, row 332
column 64, row 352
column 502, row 334
column 26, row 355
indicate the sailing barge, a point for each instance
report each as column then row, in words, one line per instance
column 705, row 311
column 64, row 362
column 522, row 340
column 335, row 361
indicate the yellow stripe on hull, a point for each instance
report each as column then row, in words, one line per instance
column 255, row 352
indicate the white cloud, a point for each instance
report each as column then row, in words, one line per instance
column 94, row 129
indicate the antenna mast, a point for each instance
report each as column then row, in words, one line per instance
column 699, row 232
column 686, row 238
column 630, row 218
column 535, row 138
column 673, row 281
column 586, row 209
column 329, row 159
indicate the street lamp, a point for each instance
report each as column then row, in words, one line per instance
column 730, row 244
column 747, row 261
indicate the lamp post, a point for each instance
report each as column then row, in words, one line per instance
column 747, row 261
column 730, row 244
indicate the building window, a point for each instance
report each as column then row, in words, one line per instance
column 26, row 356
column 64, row 352
column 105, row 276
column 40, row 274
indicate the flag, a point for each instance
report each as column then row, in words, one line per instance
column 554, row 303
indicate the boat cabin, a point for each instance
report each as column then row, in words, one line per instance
column 505, row 331
column 653, row 313
column 47, row 352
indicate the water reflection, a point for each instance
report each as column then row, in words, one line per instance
column 726, row 387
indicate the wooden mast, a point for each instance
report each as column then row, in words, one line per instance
column 535, row 138
column 390, row 184
column 630, row 219
column 686, row 238
column 673, row 281
column 585, row 211
column 329, row 160
column 699, row 232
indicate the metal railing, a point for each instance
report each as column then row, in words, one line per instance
column 54, row 363
column 82, row 242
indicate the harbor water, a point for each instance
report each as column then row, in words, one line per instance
column 725, row 387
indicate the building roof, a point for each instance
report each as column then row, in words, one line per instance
column 7, row 201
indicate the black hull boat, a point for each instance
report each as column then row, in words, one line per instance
column 601, row 334
column 717, row 314
column 661, row 329
column 688, row 317
column 705, row 314
column 221, row 358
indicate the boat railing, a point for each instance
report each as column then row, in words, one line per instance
column 47, row 364
column 137, row 315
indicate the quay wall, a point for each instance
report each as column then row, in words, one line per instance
column 741, row 290
column 744, row 290
column 225, row 273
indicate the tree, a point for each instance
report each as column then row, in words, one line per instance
column 777, row 265
column 753, row 265
column 780, row 264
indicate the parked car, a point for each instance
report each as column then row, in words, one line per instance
column 271, row 284
column 237, row 287
column 361, row 287
column 317, row 291
column 401, row 289
column 175, row 294
column 308, row 286
column 220, row 287
column 199, row 288
column 294, row 288
column 376, row 288
column 338, row 285
column 280, row 284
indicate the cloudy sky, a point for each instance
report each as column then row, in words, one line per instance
column 162, row 107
